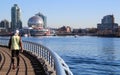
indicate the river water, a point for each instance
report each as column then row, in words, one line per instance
column 85, row 55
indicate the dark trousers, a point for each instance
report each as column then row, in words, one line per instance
column 15, row 53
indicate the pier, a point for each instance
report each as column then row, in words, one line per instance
column 28, row 64
column 35, row 60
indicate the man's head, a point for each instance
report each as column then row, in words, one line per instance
column 16, row 32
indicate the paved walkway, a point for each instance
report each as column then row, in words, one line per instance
column 28, row 64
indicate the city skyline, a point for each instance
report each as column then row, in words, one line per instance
column 74, row 13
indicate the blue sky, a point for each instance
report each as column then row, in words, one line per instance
column 73, row 13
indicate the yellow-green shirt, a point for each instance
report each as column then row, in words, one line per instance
column 15, row 42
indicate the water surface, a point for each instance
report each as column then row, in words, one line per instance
column 85, row 55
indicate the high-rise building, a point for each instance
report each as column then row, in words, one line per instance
column 16, row 22
column 108, row 19
column 107, row 27
column 107, row 23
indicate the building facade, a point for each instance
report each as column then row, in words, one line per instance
column 4, row 25
column 38, row 25
column 107, row 27
column 107, row 23
column 16, row 22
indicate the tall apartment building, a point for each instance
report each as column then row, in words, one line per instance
column 108, row 19
column 16, row 22
column 107, row 23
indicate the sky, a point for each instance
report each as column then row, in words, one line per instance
column 73, row 13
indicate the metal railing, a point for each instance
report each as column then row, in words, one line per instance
column 53, row 59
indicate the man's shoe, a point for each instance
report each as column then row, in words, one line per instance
column 18, row 67
column 13, row 67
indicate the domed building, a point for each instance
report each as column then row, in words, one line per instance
column 38, row 28
column 35, row 21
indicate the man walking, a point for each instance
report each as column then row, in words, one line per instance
column 15, row 45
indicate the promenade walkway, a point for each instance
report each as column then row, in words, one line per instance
column 29, row 65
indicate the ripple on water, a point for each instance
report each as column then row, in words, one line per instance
column 91, row 66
